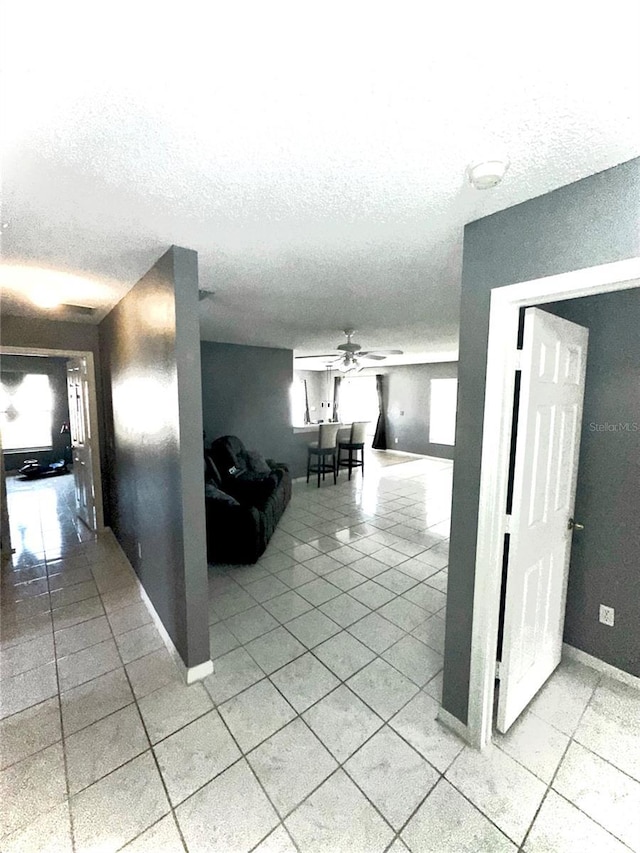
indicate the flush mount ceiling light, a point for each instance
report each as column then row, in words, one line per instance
column 54, row 289
column 45, row 298
column 485, row 174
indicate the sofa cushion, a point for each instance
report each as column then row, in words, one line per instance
column 253, row 490
column 256, row 463
column 214, row 493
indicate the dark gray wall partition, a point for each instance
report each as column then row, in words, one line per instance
column 593, row 221
column 56, row 370
column 153, row 402
column 246, row 392
column 604, row 556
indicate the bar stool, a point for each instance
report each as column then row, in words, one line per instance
column 324, row 450
column 354, row 445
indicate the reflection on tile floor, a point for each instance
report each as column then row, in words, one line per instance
column 317, row 731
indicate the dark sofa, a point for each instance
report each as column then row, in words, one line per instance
column 245, row 496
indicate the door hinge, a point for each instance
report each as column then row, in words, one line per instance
column 497, row 676
column 507, row 524
column 518, row 360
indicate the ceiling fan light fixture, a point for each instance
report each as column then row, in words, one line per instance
column 486, row 174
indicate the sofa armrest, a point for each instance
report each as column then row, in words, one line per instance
column 234, row 533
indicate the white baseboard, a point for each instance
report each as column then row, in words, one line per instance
column 197, row 673
column 191, row 674
column 595, row 663
column 454, row 724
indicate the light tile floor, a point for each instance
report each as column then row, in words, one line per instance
column 317, row 731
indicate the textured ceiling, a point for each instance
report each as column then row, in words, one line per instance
column 313, row 155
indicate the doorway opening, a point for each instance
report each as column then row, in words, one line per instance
column 502, row 364
column 49, row 417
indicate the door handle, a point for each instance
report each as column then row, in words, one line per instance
column 574, row 525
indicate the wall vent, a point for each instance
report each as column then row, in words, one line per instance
column 85, row 310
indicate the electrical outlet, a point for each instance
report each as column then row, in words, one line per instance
column 607, row 615
column 395, row 440
column 139, row 551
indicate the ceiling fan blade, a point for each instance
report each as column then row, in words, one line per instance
column 382, row 352
column 373, row 357
column 322, row 355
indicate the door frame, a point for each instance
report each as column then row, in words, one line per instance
column 93, row 414
column 502, row 358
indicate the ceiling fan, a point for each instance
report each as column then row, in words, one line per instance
column 352, row 355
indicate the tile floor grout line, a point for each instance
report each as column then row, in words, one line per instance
column 62, row 741
column 430, row 614
column 590, row 818
column 341, row 681
column 150, row 749
column 548, row 788
column 243, row 757
column 160, row 819
column 549, row 785
column 476, row 807
column 572, row 740
column 340, row 764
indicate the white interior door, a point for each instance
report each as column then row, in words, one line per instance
column 546, row 466
column 80, row 426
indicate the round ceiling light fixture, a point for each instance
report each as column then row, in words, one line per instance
column 485, row 174
column 45, row 297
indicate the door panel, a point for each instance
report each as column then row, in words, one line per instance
column 545, row 473
column 78, row 390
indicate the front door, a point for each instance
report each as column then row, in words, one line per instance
column 78, row 389
column 545, row 473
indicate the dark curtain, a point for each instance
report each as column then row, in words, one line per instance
column 336, row 397
column 380, row 438
column 307, row 414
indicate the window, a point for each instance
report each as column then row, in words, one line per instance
column 26, row 408
column 359, row 401
column 442, row 414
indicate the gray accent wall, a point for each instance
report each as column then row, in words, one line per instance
column 153, row 415
column 593, row 221
column 408, row 409
column 56, row 370
column 246, row 392
column 605, row 556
